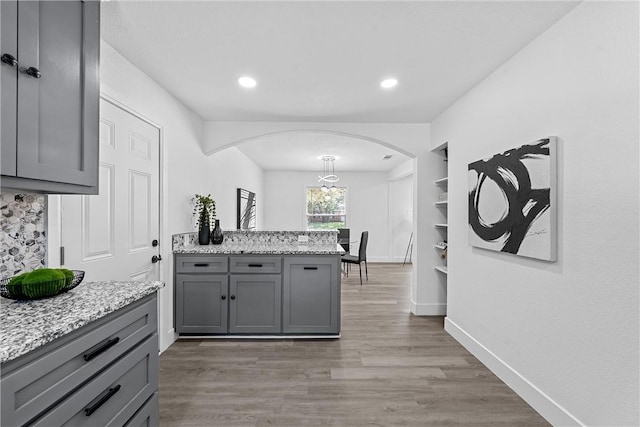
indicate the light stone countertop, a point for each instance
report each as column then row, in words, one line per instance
column 27, row 325
column 257, row 248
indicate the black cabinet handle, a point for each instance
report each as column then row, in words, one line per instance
column 255, row 265
column 33, row 72
column 198, row 264
column 311, row 268
column 101, row 400
column 9, row 59
column 233, row 297
column 223, row 297
column 100, row 348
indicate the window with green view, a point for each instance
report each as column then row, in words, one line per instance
column 326, row 208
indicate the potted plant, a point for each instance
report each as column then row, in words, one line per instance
column 205, row 210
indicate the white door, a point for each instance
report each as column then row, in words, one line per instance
column 111, row 235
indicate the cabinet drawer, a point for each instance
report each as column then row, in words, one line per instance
column 31, row 388
column 201, row 264
column 254, row 264
column 148, row 415
column 114, row 396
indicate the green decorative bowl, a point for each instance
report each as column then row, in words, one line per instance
column 39, row 290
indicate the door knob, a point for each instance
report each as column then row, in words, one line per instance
column 156, row 258
column 9, row 59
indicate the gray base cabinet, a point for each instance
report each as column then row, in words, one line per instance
column 311, row 295
column 255, row 303
column 251, row 295
column 104, row 373
column 50, row 95
column 201, row 303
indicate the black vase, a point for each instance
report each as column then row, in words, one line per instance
column 216, row 235
column 204, row 234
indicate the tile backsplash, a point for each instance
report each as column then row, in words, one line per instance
column 23, row 239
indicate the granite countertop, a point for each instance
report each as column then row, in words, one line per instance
column 232, row 248
column 27, row 325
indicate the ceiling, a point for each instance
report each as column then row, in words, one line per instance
column 322, row 61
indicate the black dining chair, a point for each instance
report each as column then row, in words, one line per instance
column 343, row 238
column 362, row 256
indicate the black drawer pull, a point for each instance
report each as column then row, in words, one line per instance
column 101, row 400
column 311, row 268
column 201, row 264
column 100, row 348
column 255, row 265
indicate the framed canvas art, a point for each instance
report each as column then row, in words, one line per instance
column 246, row 210
column 512, row 201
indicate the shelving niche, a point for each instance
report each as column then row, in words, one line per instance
column 441, row 204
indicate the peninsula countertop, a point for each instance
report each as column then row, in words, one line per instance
column 255, row 248
column 27, row 325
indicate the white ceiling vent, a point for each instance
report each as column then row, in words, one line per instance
column 387, row 156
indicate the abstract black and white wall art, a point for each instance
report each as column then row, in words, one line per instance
column 246, row 210
column 512, row 206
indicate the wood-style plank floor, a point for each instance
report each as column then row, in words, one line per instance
column 390, row 368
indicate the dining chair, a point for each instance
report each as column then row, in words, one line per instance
column 362, row 256
column 343, row 238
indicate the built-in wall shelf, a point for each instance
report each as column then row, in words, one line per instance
column 442, row 269
column 442, row 181
column 440, row 200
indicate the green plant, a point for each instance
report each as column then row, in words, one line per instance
column 205, row 210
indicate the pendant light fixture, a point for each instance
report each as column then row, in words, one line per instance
column 328, row 172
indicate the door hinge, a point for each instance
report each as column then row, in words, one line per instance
column 61, row 255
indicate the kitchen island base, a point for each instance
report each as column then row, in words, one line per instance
column 266, row 291
column 300, row 296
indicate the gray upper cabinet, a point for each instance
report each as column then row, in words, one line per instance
column 311, row 295
column 50, row 96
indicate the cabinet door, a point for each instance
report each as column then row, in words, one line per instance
column 57, row 125
column 311, row 295
column 201, row 303
column 9, row 43
column 255, row 303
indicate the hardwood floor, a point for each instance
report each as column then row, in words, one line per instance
column 389, row 368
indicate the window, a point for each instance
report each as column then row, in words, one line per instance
column 326, row 208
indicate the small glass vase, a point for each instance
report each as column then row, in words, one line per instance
column 216, row 235
column 204, row 234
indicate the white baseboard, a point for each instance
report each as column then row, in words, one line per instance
column 168, row 339
column 439, row 309
column 547, row 407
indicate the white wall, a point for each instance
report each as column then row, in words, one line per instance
column 564, row 335
column 368, row 209
column 232, row 169
column 400, row 218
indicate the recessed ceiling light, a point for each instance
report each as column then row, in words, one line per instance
column 246, row 81
column 388, row 83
